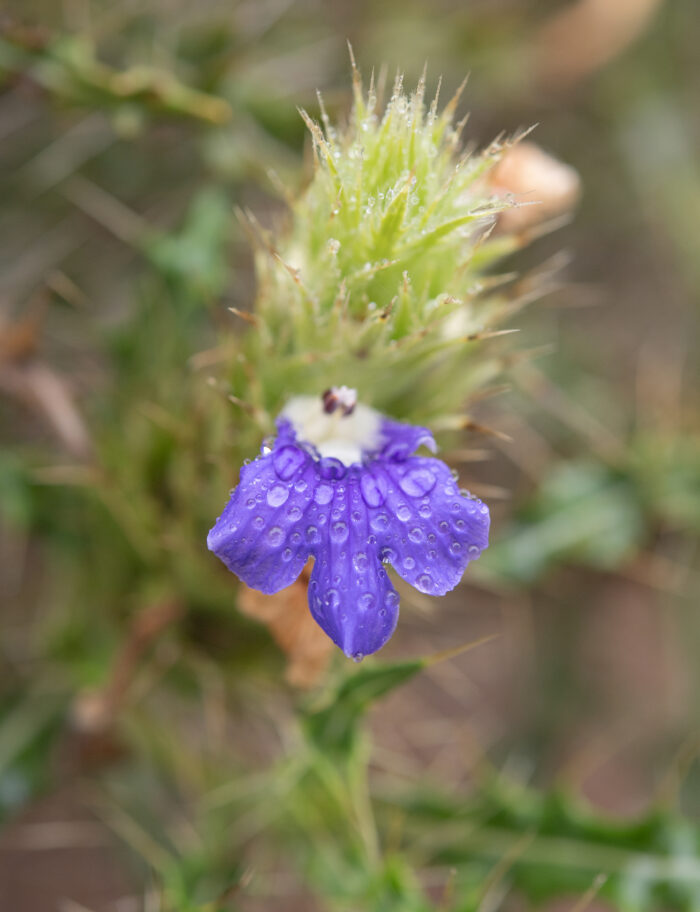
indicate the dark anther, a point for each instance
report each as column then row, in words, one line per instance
column 339, row 397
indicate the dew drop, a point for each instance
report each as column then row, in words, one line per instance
column 250, row 503
column 391, row 599
column 432, row 554
column 295, row 538
column 287, row 554
column 373, row 489
column 416, row 535
column 460, row 524
column 300, row 486
column 277, row 495
column 275, row 536
column 379, row 522
column 287, row 461
column 444, row 526
column 366, row 601
column 409, row 563
column 455, row 547
column 360, row 562
column 474, row 550
column 387, row 555
column 331, row 468
column 294, row 513
column 258, row 522
column 403, row 513
column 312, row 535
column 424, row 582
column 331, row 599
column 323, row 494
column 339, row 532
column 425, row 510
column 417, row 482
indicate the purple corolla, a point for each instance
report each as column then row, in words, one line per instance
column 340, row 484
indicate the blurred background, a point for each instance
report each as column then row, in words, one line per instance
column 136, row 701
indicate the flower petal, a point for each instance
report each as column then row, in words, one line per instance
column 432, row 531
column 350, row 594
column 399, row 440
column 263, row 534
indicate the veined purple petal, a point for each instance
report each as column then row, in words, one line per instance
column 350, row 594
column 262, row 534
column 435, row 531
column 399, row 441
column 393, row 508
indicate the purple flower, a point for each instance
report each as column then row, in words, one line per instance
column 340, row 484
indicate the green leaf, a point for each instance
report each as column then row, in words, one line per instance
column 582, row 513
column 333, row 728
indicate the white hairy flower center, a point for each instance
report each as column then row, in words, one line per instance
column 338, row 435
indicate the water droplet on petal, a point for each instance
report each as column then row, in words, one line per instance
column 474, row 550
column 373, row 489
column 287, row 554
column 288, row 460
column 460, row 524
column 331, row 599
column 417, row 482
column 424, row 582
column 339, row 532
column 416, row 535
column 331, row 468
column 277, row 495
column 425, row 510
column 444, row 526
column 258, row 522
column 366, row 601
column 391, row 599
column 323, row 494
column 275, row 536
column 312, row 535
column 294, row 513
column 379, row 522
column 455, row 547
column 360, row 562
column 403, row 513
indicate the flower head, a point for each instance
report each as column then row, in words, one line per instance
column 340, row 483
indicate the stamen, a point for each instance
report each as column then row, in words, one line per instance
column 339, row 397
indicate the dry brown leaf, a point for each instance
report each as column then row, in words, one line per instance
column 287, row 616
column 531, row 175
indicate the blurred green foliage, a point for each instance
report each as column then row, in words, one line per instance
column 127, row 137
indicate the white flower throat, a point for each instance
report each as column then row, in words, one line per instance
column 335, row 423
